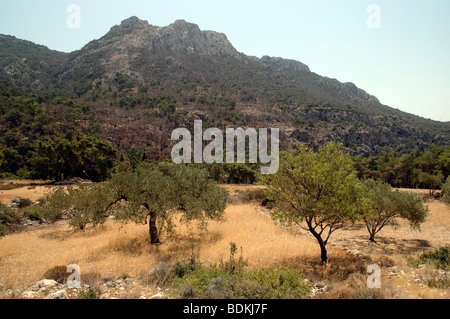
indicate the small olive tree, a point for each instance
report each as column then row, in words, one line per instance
column 82, row 204
column 159, row 194
column 388, row 205
column 152, row 195
column 317, row 191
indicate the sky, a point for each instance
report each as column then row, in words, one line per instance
column 397, row 50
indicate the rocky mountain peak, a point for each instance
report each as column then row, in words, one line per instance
column 129, row 25
column 179, row 38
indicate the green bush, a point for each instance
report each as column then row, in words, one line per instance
column 183, row 268
column 35, row 213
column 273, row 283
column 440, row 258
column 22, row 202
column 440, row 283
column 9, row 220
column 89, row 293
column 228, row 280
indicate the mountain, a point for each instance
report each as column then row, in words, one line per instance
column 142, row 81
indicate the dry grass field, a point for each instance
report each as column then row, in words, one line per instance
column 115, row 249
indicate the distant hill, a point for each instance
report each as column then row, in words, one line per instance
column 143, row 81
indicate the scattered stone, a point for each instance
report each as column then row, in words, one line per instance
column 44, row 284
column 60, row 294
column 29, row 295
column 395, row 270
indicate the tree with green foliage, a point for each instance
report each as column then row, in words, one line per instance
column 431, row 181
column 159, row 194
column 153, row 195
column 83, row 204
column 69, row 156
column 446, row 191
column 388, row 205
column 317, row 191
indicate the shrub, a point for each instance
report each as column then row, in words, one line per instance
column 183, row 268
column 9, row 220
column 440, row 257
column 35, row 213
column 89, row 293
column 233, row 265
column 21, row 202
column 161, row 275
column 273, row 283
column 440, row 283
column 228, row 280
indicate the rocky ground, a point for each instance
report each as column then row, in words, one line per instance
column 107, row 288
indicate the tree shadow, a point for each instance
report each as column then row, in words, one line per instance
column 402, row 246
column 62, row 235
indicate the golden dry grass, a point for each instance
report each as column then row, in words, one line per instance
column 116, row 249
column 30, row 192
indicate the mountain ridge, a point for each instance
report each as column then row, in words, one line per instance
column 143, row 81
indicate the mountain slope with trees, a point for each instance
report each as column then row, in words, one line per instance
column 140, row 82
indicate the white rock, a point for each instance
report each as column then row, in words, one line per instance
column 29, row 295
column 60, row 294
column 43, row 284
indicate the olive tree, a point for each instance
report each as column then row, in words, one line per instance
column 82, row 204
column 152, row 195
column 387, row 205
column 157, row 195
column 317, row 191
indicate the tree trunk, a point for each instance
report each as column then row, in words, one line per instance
column 323, row 253
column 323, row 248
column 372, row 237
column 153, row 230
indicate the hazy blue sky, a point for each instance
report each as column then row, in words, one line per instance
column 405, row 62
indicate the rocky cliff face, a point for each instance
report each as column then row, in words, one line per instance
column 180, row 38
column 133, row 38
